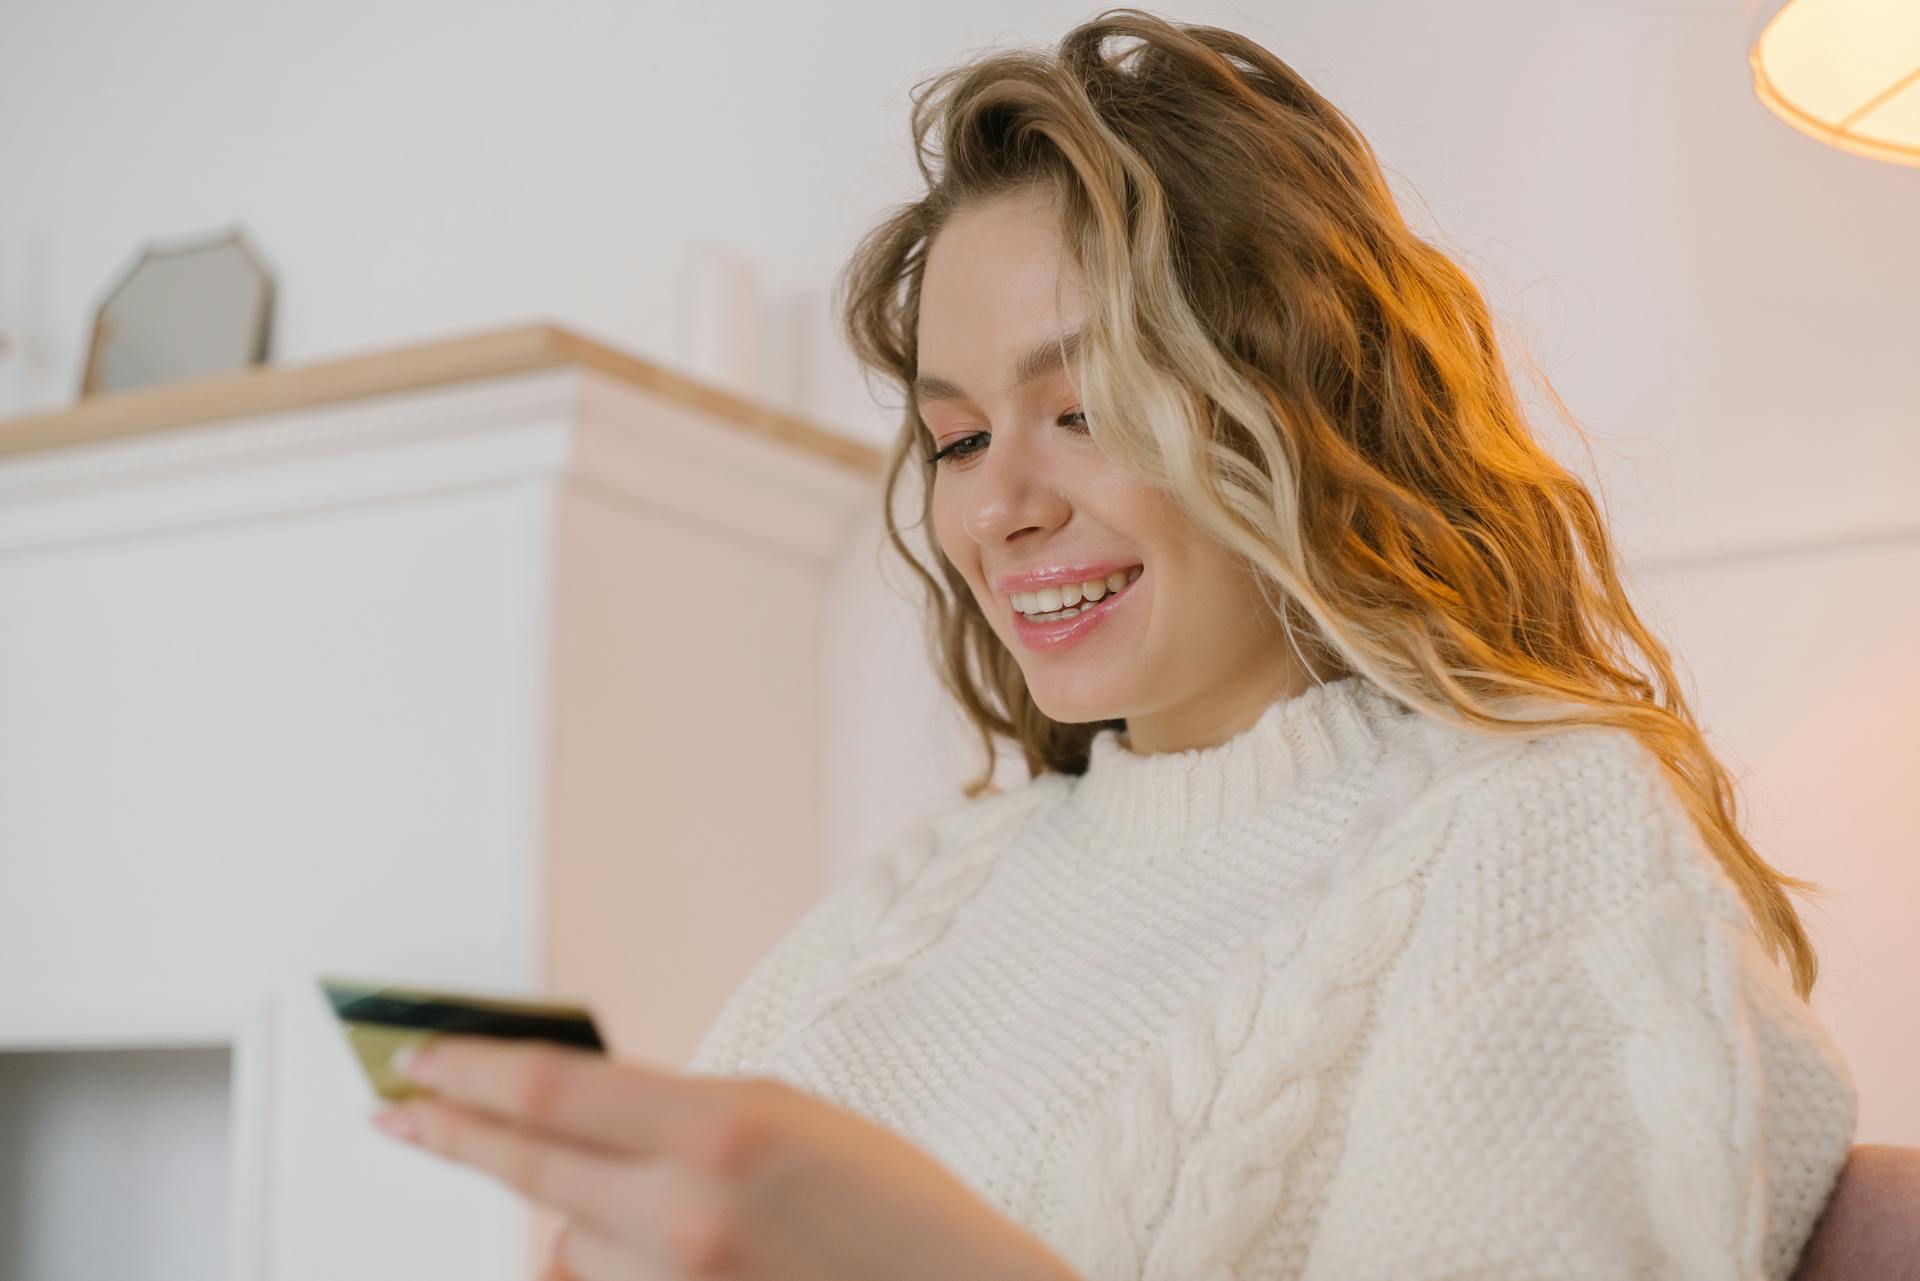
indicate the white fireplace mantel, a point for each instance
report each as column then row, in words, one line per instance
column 488, row 664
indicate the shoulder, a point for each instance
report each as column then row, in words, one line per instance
column 958, row 829
column 1534, row 835
column 952, row 841
column 921, row 868
column 1590, row 800
column 1001, row 812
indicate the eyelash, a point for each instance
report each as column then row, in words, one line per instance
column 952, row 448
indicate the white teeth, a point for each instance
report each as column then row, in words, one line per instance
column 1059, row 601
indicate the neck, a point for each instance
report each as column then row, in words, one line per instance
column 1153, row 802
column 1224, row 712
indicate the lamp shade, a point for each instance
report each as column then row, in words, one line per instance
column 1844, row 71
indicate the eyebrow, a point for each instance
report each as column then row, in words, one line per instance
column 1044, row 359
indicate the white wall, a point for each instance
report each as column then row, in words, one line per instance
column 1723, row 300
column 1726, row 305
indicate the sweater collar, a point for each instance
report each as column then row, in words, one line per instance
column 1161, row 797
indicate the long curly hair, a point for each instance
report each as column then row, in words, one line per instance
column 1317, row 387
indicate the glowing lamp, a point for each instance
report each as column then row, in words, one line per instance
column 1844, row 71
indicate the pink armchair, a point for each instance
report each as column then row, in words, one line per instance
column 1870, row 1228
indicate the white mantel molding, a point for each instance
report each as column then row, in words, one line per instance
column 572, row 425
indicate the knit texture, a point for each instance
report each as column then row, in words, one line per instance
column 1352, row 995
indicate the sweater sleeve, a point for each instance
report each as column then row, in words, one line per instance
column 1635, row 1092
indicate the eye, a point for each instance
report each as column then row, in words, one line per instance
column 954, row 449
column 964, row 447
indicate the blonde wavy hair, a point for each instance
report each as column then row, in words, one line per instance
column 1317, row 387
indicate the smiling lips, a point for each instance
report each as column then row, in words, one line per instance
column 1062, row 614
column 1062, row 600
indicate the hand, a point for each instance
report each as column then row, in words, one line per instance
column 662, row 1175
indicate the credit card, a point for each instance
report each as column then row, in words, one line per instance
column 379, row 1018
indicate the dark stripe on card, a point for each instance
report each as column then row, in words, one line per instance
column 469, row 1020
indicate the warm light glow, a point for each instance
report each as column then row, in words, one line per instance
column 1846, row 72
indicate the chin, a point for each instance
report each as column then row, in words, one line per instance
column 1075, row 706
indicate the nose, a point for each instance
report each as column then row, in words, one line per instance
column 1013, row 494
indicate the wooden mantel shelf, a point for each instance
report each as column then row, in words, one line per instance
column 521, row 349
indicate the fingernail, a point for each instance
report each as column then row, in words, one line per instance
column 399, row 1122
column 414, row 1062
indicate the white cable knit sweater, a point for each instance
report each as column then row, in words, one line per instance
column 1353, row 995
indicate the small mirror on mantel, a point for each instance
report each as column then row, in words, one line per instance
column 180, row 312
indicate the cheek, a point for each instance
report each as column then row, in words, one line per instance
column 1225, row 591
column 950, row 533
column 941, row 516
column 1199, row 579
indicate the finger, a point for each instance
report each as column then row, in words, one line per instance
column 552, row 1266
column 554, row 1270
column 593, row 1186
column 572, row 1093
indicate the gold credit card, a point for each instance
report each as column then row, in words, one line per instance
column 379, row 1018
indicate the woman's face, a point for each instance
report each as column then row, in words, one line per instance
column 1113, row 603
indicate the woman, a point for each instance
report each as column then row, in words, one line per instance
column 1369, row 912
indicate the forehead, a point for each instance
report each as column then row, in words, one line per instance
column 997, row 280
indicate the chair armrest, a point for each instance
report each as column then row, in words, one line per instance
column 1870, row 1227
